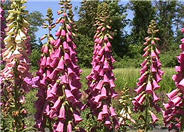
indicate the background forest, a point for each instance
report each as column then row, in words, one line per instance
column 127, row 44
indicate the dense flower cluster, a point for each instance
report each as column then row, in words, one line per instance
column 45, row 69
column 173, row 115
column 59, row 78
column 2, row 30
column 151, row 75
column 101, row 79
column 15, row 77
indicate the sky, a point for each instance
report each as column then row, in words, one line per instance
column 43, row 5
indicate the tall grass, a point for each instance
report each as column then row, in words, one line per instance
column 129, row 77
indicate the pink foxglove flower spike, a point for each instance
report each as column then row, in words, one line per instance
column 45, row 90
column 101, row 80
column 59, row 94
column 174, row 110
column 151, row 75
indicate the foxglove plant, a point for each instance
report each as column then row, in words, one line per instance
column 125, row 113
column 151, row 75
column 174, row 109
column 101, row 79
column 59, row 75
column 3, row 25
column 15, row 77
column 43, row 72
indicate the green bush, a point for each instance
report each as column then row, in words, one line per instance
column 129, row 63
column 85, row 50
column 169, row 58
column 35, row 57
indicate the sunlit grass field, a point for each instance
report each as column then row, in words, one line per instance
column 129, row 77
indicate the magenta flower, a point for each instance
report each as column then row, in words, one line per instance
column 59, row 78
column 101, row 79
column 173, row 114
column 151, row 75
column 15, row 77
column 3, row 26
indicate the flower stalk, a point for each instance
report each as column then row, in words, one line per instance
column 101, row 79
column 174, row 109
column 15, row 77
column 59, row 75
column 151, row 75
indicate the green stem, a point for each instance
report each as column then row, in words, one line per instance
column 16, row 118
column 50, row 125
column 182, row 124
column 146, row 115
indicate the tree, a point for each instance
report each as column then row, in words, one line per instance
column 88, row 13
column 179, row 21
column 165, row 16
column 86, row 31
column 118, row 23
column 36, row 20
column 144, row 12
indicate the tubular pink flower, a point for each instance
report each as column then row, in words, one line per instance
column 154, row 117
column 151, row 75
column 174, row 108
column 101, row 79
column 59, row 84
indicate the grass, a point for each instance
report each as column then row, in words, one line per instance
column 124, row 77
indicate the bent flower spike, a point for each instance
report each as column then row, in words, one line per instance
column 15, row 77
column 174, row 109
column 101, row 79
column 151, row 75
column 58, row 105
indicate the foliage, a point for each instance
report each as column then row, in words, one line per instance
column 84, row 50
column 35, row 57
column 87, row 13
column 36, row 20
column 144, row 12
column 118, row 15
column 165, row 16
column 169, row 58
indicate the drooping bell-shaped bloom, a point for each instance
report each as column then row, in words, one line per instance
column 15, row 77
column 101, row 79
column 174, row 108
column 59, row 94
column 151, row 75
